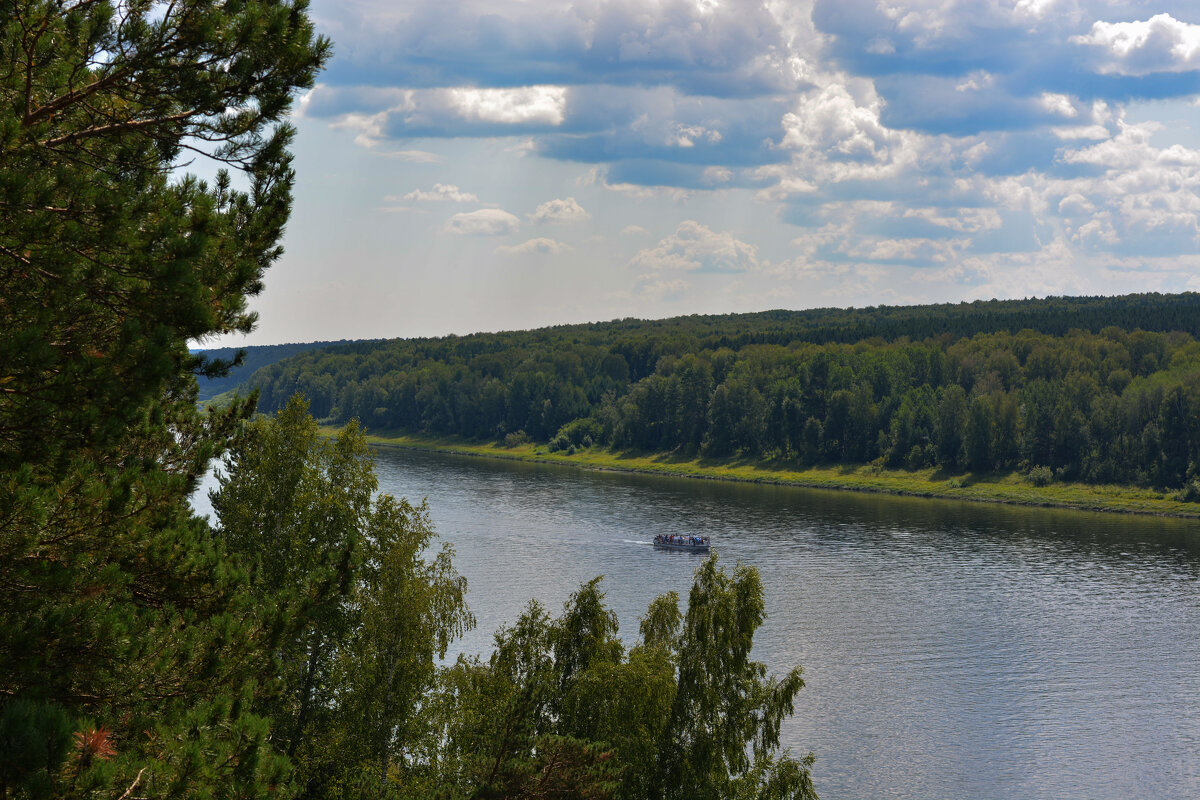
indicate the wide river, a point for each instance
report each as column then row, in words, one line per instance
column 950, row 650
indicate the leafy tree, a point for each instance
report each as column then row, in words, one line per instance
column 293, row 507
column 723, row 736
column 979, row 435
column 951, row 425
column 356, row 614
column 409, row 610
column 684, row 714
column 121, row 617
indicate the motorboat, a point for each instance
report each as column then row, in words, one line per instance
column 675, row 541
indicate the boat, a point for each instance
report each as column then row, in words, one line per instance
column 691, row 544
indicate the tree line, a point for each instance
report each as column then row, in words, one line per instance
column 231, row 366
column 1113, row 405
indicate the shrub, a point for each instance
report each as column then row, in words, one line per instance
column 581, row 432
column 1040, row 476
column 1190, row 493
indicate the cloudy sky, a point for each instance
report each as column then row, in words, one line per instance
column 470, row 165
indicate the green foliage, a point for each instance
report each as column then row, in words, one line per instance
column 515, row 439
column 1102, row 407
column 121, row 616
column 355, row 614
column 34, row 740
column 1041, row 476
column 684, row 714
column 577, row 433
column 245, row 361
column 290, row 650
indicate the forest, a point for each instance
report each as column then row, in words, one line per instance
column 233, row 365
column 1101, row 390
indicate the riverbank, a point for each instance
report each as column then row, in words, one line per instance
column 1011, row 488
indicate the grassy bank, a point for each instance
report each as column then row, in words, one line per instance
column 1012, row 488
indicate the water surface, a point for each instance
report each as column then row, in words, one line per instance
column 951, row 650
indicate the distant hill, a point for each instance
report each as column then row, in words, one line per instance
column 1106, row 389
column 257, row 357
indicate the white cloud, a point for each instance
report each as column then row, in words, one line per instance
column 715, row 176
column 538, row 246
column 484, row 222
column 367, row 128
column 688, row 135
column 634, row 230
column 1059, row 104
column 1159, row 44
column 376, row 115
column 694, row 248
column 599, row 176
column 975, row 82
column 735, row 45
column 560, row 210
column 783, row 185
column 442, row 191
column 831, row 121
column 414, row 156
column 523, row 104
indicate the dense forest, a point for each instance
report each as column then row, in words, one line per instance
column 239, row 363
column 1103, row 389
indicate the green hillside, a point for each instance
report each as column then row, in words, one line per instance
column 254, row 358
column 1097, row 389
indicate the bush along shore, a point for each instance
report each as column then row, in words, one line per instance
column 1037, row 487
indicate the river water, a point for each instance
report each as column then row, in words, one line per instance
column 950, row 650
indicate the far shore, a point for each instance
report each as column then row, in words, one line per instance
column 1011, row 488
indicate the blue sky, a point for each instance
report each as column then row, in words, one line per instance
column 497, row 164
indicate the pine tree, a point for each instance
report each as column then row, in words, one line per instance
column 122, row 621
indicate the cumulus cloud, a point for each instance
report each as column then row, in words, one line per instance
column 442, row 191
column 696, row 248
column 687, row 135
column 484, row 222
column 523, row 104
column 1141, row 198
column 1159, row 44
column 911, row 132
column 538, row 246
column 710, row 48
column 833, row 122
column 379, row 114
column 560, row 210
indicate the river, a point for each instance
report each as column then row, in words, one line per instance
column 950, row 650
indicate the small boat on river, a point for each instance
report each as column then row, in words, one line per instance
column 694, row 544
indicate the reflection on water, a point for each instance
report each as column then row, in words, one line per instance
column 951, row 650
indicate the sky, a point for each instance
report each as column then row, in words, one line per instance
column 483, row 165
